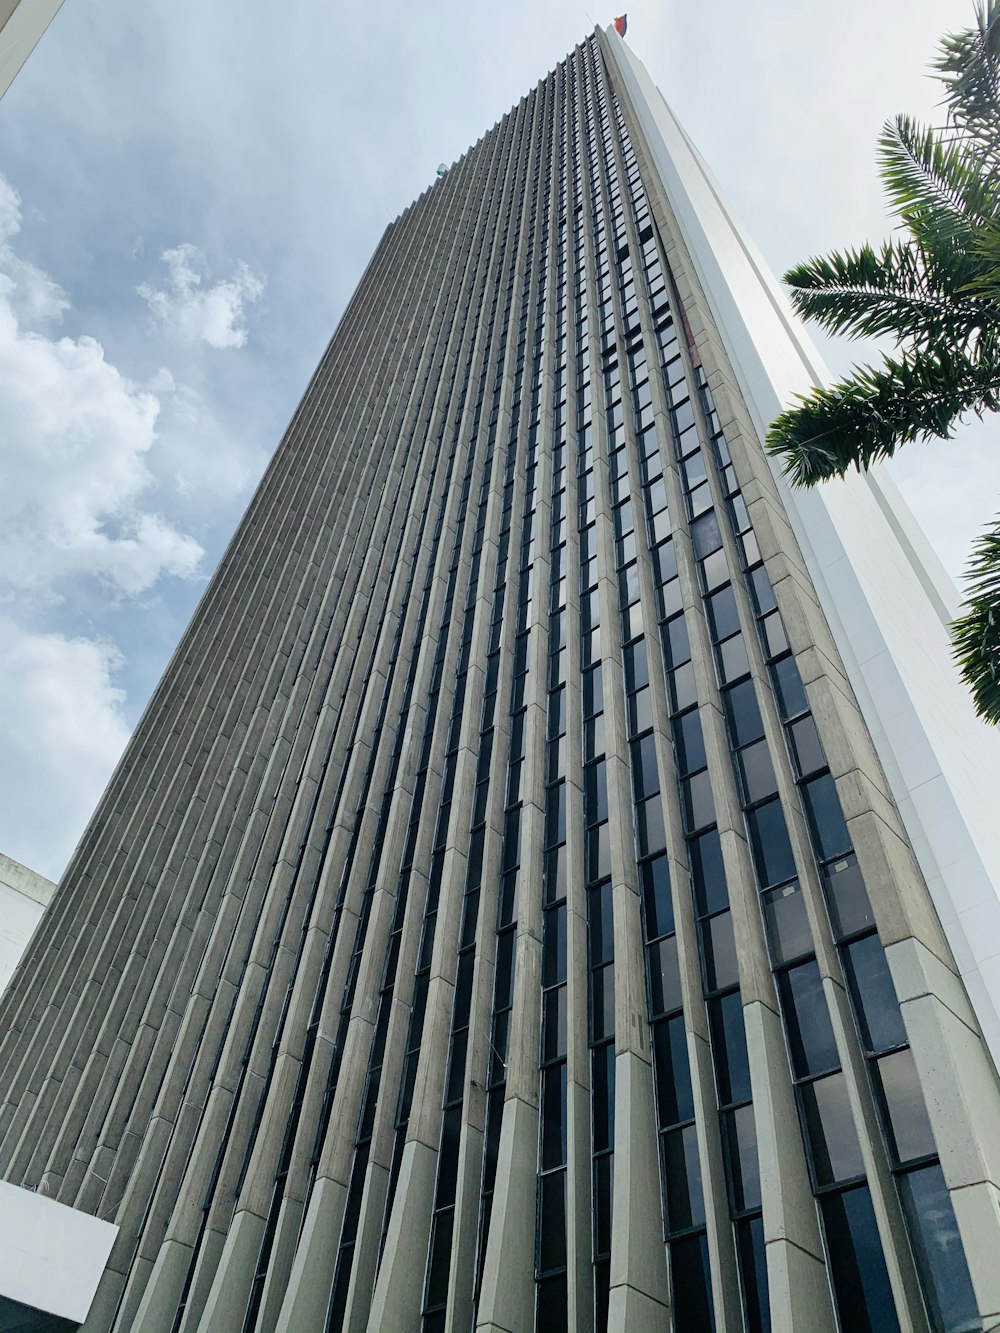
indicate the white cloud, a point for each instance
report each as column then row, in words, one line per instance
column 74, row 436
column 63, row 730
column 195, row 312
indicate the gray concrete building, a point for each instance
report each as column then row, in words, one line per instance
column 551, row 887
column 22, row 23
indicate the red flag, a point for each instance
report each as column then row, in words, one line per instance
column 621, row 25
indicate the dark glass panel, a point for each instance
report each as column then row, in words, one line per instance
column 836, row 1152
column 810, row 1031
column 910, row 1128
column 941, row 1257
column 847, row 898
column 676, row 645
column 602, row 944
column 699, row 808
column 723, row 617
column 689, row 742
column 787, row 922
column 657, row 897
column 714, row 569
column 826, row 817
column 683, row 691
column 729, row 1046
column 651, row 830
column 857, row 1265
column 806, row 746
column 595, row 793
column 645, row 775
column 554, row 1116
column 757, row 773
column 788, row 686
column 551, row 1308
column 598, row 854
column 719, row 951
column 593, row 692
column 707, row 873
column 603, row 1095
column 603, row 1188
column 772, row 852
column 636, row 666
column 682, row 1168
column 741, row 1152
column 664, row 977
column 874, row 995
column 706, row 536
column 552, row 1237
column 763, row 594
column 602, row 1002
column 507, row 900
column 774, row 634
column 555, row 814
column 504, row 983
column 753, row 1274
column 691, row 1285
column 554, row 1024
column 673, row 1075
column 555, row 874
column 593, row 737
column 437, row 1276
column 733, row 660
column 743, row 713
column 554, row 946
column 640, row 711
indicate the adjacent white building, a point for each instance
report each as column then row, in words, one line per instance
column 24, row 896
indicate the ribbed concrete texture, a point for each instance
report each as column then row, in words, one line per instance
column 501, row 919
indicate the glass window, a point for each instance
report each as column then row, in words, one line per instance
column 664, row 977
column 743, row 713
column 719, row 949
column 696, row 794
column 640, row 711
column 595, row 792
column 603, row 1096
column 551, row 1308
column 682, row 1168
column 644, row 770
column 598, row 859
column 910, row 1129
column 636, row 666
column 682, row 688
column 554, row 947
column 741, row 1152
column 850, row 910
column 553, row 1026
column 602, row 997
column 723, row 617
column 552, row 1229
column 810, row 1031
column 689, row 742
column 857, row 1265
column 836, row 1153
column 710, row 891
column 691, row 1285
column 729, row 1046
column 826, row 817
column 753, row 1270
column 874, row 995
column 940, row 1253
column 772, row 852
column 554, row 1116
column 673, row 1076
column 657, row 897
column 602, row 947
column 705, row 535
column 756, row 772
column 806, row 746
column 787, row 922
column 788, row 684
column 651, row 830
column 733, row 660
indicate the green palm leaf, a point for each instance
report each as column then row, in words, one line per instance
column 977, row 632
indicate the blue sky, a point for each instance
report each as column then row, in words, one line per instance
column 189, row 194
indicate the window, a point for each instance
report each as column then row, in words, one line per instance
column 874, row 995
column 810, row 1032
column 940, row 1253
column 857, row 1266
column 772, row 852
column 836, row 1153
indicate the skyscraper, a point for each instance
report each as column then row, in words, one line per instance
column 551, row 886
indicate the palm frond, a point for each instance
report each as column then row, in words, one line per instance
column 969, row 67
column 936, row 188
column 865, row 418
column 976, row 633
column 867, row 292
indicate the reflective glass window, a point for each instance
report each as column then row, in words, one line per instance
column 772, row 851
column 836, row 1152
column 810, row 1031
column 939, row 1250
column 857, row 1265
column 787, row 922
column 909, row 1126
column 874, row 994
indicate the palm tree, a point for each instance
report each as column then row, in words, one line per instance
column 935, row 289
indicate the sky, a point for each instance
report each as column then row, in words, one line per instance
column 189, row 192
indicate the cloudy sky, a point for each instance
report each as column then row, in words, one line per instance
column 189, row 191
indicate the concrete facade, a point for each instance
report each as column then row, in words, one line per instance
column 507, row 915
